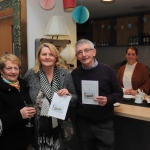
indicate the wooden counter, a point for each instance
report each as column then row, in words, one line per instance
column 131, row 111
column 132, row 126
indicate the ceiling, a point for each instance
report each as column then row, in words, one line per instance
column 119, row 7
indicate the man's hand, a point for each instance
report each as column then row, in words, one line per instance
column 102, row 100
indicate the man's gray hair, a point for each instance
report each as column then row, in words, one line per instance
column 84, row 41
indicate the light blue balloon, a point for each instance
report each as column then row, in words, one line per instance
column 80, row 14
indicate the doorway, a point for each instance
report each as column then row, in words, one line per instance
column 6, row 42
column 6, row 29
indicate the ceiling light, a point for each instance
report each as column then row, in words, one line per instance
column 107, row 1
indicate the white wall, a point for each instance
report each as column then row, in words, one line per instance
column 37, row 19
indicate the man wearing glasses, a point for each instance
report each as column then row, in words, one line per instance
column 97, row 89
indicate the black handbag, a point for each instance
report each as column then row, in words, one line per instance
column 67, row 130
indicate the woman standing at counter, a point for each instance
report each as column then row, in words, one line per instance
column 133, row 75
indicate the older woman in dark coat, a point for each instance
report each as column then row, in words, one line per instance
column 14, row 95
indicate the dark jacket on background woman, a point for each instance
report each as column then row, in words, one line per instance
column 139, row 79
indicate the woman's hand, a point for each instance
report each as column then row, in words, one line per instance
column 27, row 112
column 128, row 92
column 63, row 92
column 102, row 100
column 133, row 92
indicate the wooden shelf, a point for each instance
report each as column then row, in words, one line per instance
column 118, row 29
column 123, row 30
column 101, row 32
column 59, row 43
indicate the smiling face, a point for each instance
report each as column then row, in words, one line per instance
column 85, row 54
column 131, row 56
column 46, row 58
column 11, row 71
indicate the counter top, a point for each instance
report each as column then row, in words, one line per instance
column 131, row 111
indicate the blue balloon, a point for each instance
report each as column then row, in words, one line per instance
column 80, row 14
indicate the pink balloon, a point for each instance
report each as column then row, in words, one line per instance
column 47, row 4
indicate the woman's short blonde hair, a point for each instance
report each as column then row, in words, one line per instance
column 53, row 50
column 13, row 58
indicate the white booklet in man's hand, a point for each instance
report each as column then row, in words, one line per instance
column 89, row 92
column 59, row 106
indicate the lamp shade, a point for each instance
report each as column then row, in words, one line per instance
column 80, row 14
column 69, row 4
column 56, row 26
column 68, row 54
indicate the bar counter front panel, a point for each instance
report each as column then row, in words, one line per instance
column 132, row 126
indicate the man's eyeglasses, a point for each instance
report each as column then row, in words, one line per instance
column 87, row 50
